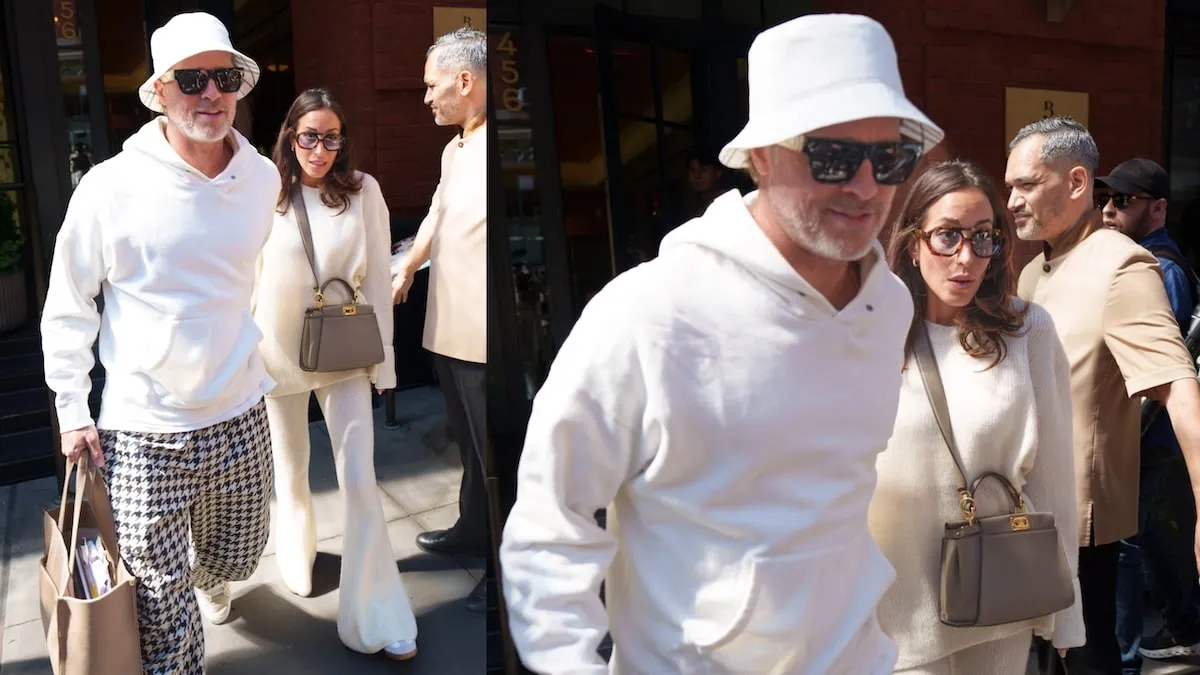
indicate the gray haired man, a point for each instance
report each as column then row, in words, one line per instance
column 169, row 231
column 734, row 544
column 453, row 238
column 1111, row 312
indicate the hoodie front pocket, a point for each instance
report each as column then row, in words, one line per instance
column 771, row 619
column 201, row 358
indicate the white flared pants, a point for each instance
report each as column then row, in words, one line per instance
column 374, row 608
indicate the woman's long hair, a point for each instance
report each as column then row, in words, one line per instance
column 342, row 179
column 991, row 314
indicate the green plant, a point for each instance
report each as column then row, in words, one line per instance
column 12, row 242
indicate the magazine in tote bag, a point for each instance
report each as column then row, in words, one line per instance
column 88, row 596
column 334, row 337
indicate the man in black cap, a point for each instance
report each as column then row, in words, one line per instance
column 1134, row 201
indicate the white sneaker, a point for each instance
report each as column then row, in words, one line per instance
column 401, row 650
column 215, row 604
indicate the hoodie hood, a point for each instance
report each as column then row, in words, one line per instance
column 150, row 142
column 727, row 229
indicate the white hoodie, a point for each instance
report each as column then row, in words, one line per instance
column 173, row 252
column 732, row 417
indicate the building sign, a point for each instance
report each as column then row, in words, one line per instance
column 1056, row 10
column 510, row 94
column 66, row 22
column 1022, row 106
column 449, row 19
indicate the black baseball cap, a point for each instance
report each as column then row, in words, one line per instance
column 1138, row 176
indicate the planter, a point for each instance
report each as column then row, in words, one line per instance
column 14, row 304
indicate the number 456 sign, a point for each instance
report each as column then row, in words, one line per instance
column 510, row 75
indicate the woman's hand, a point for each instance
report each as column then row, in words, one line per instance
column 1062, row 653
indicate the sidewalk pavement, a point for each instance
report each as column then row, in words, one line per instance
column 272, row 631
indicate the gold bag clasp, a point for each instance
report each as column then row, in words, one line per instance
column 1019, row 523
column 349, row 310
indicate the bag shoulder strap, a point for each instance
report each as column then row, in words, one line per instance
column 1168, row 253
column 310, row 252
column 927, row 364
column 305, row 234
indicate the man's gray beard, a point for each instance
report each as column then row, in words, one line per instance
column 191, row 131
column 813, row 238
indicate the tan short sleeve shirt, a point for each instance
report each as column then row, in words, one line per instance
column 1109, row 306
column 456, row 312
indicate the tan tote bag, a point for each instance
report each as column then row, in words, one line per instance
column 86, row 637
column 997, row 569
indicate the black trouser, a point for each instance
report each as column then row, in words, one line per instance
column 464, row 385
column 1098, row 581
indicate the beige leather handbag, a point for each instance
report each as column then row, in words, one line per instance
column 997, row 569
column 334, row 337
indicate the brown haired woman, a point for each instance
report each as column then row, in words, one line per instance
column 351, row 238
column 1005, row 377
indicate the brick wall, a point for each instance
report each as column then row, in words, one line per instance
column 957, row 56
column 372, row 54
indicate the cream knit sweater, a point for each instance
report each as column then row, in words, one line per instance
column 1014, row 419
column 354, row 245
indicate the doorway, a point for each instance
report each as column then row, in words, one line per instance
column 19, row 263
column 633, row 102
column 648, row 104
column 263, row 31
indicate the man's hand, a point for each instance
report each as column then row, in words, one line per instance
column 1062, row 653
column 75, row 442
column 1181, row 398
column 401, row 282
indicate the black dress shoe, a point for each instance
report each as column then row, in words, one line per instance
column 447, row 542
column 477, row 601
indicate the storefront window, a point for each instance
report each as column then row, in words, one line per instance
column 1185, row 137
column 121, row 34
column 775, row 12
column 15, row 244
column 12, row 235
column 1183, row 147
column 523, row 216
column 73, row 79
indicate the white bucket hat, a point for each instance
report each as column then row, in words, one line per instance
column 185, row 36
column 820, row 70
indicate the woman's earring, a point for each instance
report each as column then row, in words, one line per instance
column 915, row 262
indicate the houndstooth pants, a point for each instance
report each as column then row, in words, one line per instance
column 213, row 484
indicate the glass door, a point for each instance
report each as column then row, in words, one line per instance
column 1182, row 124
column 20, row 266
column 647, row 93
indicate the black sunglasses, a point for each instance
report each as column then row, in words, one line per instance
column 332, row 141
column 193, row 81
column 948, row 241
column 1121, row 201
column 833, row 161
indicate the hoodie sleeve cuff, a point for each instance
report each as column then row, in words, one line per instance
column 383, row 375
column 73, row 412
